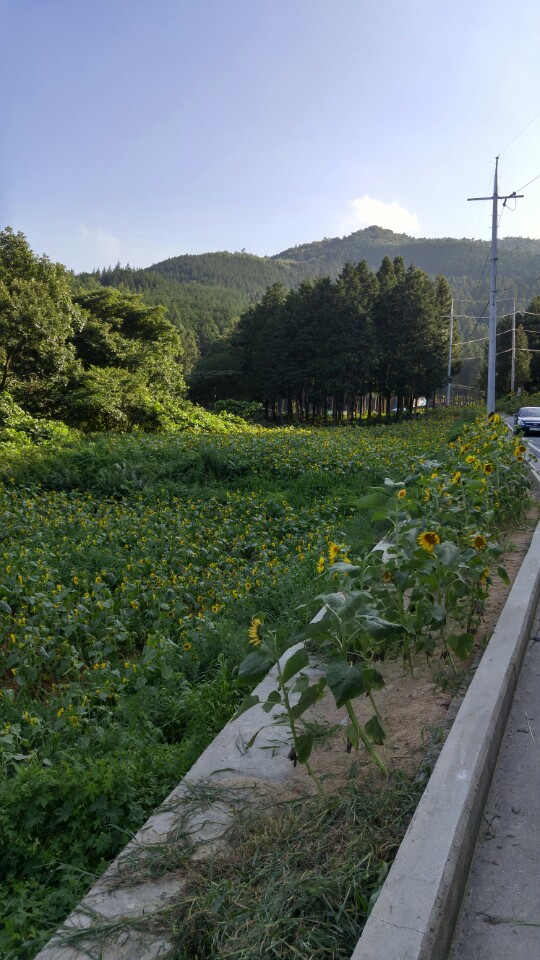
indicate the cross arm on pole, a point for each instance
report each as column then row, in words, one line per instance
column 511, row 196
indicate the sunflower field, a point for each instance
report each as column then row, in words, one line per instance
column 131, row 568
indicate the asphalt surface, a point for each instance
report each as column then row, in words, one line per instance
column 500, row 914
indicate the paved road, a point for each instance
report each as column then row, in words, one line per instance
column 500, row 915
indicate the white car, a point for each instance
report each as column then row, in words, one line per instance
column 527, row 420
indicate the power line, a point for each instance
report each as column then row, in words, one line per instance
column 506, row 253
column 530, row 181
column 523, row 283
column 519, row 135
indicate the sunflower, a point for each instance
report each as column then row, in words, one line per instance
column 333, row 550
column 428, row 540
column 456, row 477
column 401, row 494
column 488, row 468
column 388, row 576
column 478, row 541
column 253, row 632
column 427, row 495
column 320, row 565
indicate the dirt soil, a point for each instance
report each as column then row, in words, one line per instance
column 416, row 711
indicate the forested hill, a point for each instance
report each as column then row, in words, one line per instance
column 206, row 293
column 463, row 262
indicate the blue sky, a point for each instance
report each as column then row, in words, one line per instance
column 136, row 130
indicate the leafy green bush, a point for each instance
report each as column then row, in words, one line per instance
column 512, row 403
column 249, row 410
column 19, row 428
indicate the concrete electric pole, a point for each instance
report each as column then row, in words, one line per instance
column 450, row 342
column 492, row 352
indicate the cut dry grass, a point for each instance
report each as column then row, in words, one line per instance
column 296, row 881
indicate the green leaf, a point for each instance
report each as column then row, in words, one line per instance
column 300, row 684
column 435, row 613
column 401, row 579
column 503, row 575
column 378, row 627
column 304, row 746
column 294, row 664
column 249, row 743
column 274, row 697
column 462, row 644
column 373, row 680
column 342, row 567
column 374, row 730
column 473, row 484
column 446, row 552
column 255, row 666
column 345, row 680
column 375, row 499
column 308, row 698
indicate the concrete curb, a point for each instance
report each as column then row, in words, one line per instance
column 416, row 912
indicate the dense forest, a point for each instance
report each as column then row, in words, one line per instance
column 348, row 345
column 96, row 359
column 205, row 294
column 121, row 348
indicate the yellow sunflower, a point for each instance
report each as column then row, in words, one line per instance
column 478, row 541
column 488, row 468
column 428, row 540
column 333, row 550
column 401, row 494
column 253, row 632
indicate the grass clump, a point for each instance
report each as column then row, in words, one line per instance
column 296, row 882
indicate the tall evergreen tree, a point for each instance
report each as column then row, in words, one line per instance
column 530, row 319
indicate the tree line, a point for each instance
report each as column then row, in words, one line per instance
column 353, row 345
column 97, row 357
column 523, row 348
column 206, row 293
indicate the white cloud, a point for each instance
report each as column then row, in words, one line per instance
column 366, row 211
column 101, row 243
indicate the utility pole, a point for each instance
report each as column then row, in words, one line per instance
column 513, row 373
column 449, row 377
column 492, row 352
